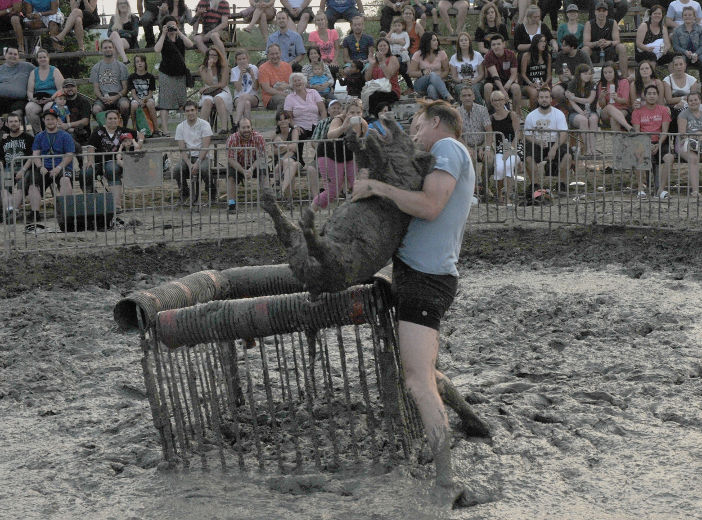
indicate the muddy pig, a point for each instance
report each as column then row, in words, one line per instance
column 360, row 237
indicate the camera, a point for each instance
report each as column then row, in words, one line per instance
column 172, row 29
column 355, row 120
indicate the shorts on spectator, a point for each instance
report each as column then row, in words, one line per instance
column 540, row 154
column 307, row 10
column 421, row 298
column 111, row 106
column 247, row 13
column 657, row 158
column 334, row 15
column 258, row 100
column 56, row 18
column 239, row 177
column 34, row 177
column 225, row 96
column 610, row 54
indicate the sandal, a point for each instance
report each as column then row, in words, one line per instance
column 56, row 44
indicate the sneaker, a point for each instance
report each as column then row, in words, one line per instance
column 664, row 195
column 166, row 163
column 641, row 195
column 231, row 208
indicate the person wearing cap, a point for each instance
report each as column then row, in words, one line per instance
column 601, row 39
column 79, row 108
column 616, row 9
column 14, row 76
column 101, row 160
column 571, row 26
column 59, row 105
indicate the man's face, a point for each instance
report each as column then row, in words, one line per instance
column 423, row 131
column 111, row 121
column 688, row 16
column 12, row 56
column 651, row 96
column 357, row 25
column 544, row 99
column 497, row 46
column 282, row 20
column 13, row 123
column 274, row 55
column 108, row 50
column 467, row 98
column 242, row 61
column 50, row 122
column 245, row 128
column 601, row 14
column 566, row 48
column 70, row 91
column 191, row 113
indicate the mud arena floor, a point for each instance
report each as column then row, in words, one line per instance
column 581, row 347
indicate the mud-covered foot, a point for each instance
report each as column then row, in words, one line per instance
column 472, row 425
column 307, row 219
column 449, row 495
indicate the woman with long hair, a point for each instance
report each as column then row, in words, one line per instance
column 414, row 29
column 328, row 42
column 314, row 55
column 652, row 38
column 124, row 29
column 527, row 31
column 382, row 64
column 42, row 84
column 536, row 68
column 572, row 26
column 430, row 66
column 643, row 77
column 489, row 23
column 285, row 153
column 678, row 86
column 613, row 98
column 467, row 69
column 690, row 129
column 580, row 95
column 509, row 149
column 214, row 73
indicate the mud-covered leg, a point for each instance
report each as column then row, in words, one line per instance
column 471, row 424
column 288, row 233
column 317, row 247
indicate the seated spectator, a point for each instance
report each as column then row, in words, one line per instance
column 41, row 85
column 58, row 105
column 566, row 61
column 690, row 130
column 580, row 95
column 601, row 39
column 654, row 119
column 214, row 74
column 571, row 26
column 357, row 43
column 490, row 22
column 320, row 81
column 424, row 9
column 306, row 106
column 536, row 68
column 210, row 20
column 430, row 66
column 153, row 12
column 551, row 8
column 124, row 30
column 15, row 145
column 687, row 39
column 382, row 64
column 389, row 11
column 509, row 149
column 11, row 20
column 676, row 87
column 467, row 68
column 414, row 29
column 546, row 136
column 274, row 77
column 616, row 9
column 14, row 76
column 374, row 113
column 335, row 163
column 142, row 87
column 461, row 7
column 79, row 109
column 299, row 12
column 109, row 79
column 328, row 42
column 652, row 41
column 101, row 160
column 175, row 8
column 56, row 169
column 525, row 32
column 83, row 16
column 45, row 13
column 613, row 98
column 245, row 79
column 193, row 137
column 288, row 41
column 501, row 72
column 353, row 79
column 259, row 12
column 477, row 131
column 644, row 77
column 172, row 72
column 285, row 155
column 399, row 47
column 337, row 9
column 246, row 155
column 675, row 14
column 314, row 56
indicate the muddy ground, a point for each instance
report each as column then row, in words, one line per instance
column 581, row 347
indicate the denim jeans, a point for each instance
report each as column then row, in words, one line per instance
column 433, row 85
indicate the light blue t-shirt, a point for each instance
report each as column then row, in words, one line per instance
column 433, row 246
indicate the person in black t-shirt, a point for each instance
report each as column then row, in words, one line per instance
column 15, row 145
column 141, row 86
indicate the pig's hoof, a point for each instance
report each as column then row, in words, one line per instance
column 307, row 219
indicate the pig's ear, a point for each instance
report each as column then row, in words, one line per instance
column 424, row 162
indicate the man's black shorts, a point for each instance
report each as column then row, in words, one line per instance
column 541, row 154
column 421, row 298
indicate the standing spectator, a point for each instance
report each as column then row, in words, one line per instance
column 79, row 109
column 476, row 130
column 109, row 79
column 153, row 12
column 328, row 42
column 690, row 128
column 245, row 79
column 14, row 76
column 193, row 137
column 571, row 26
column 211, row 18
column 430, row 66
column 214, row 74
column 676, row 9
column 527, row 31
column 490, row 22
column 299, row 12
column 414, row 29
column 288, row 41
column 382, row 64
column 142, row 87
column 13, row 146
column 336, row 9
column 687, row 39
column 274, row 77
column 172, row 73
column 677, row 86
column 546, row 135
column 644, row 77
column 124, row 29
column 11, row 19
column 461, row 7
column 616, row 9
column 509, row 150
column 399, row 47
column 652, row 41
column 502, row 72
column 41, row 85
column 580, row 95
column 536, row 68
column 83, row 16
column 550, row 8
column 306, row 106
column 57, row 169
column 101, row 160
column 467, row 68
column 601, row 39
column 357, row 43
column 566, row 62
column 246, row 155
column 46, row 13
column 654, row 119
column 613, row 98
column 259, row 12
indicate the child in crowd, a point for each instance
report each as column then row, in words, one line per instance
column 399, row 47
column 318, row 78
column 353, row 79
column 142, row 86
column 59, row 105
column 126, row 145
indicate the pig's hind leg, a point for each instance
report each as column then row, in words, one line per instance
column 288, row 233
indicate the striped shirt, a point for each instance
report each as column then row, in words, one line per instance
column 213, row 17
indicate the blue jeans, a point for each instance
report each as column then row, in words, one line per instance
column 432, row 85
column 110, row 170
column 333, row 15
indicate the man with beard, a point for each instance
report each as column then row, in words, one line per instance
column 109, row 79
column 274, row 76
column 246, row 154
column 79, row 108
column 13, row 146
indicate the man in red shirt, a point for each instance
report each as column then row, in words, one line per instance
column 502, row 72
column 11, row 18
column 246, row 154
column 654, row 119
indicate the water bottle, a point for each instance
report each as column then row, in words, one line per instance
column 612, row 92
column 602, row 56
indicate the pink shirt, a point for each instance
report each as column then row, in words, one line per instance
column 326, row 48
column 622, row 92
column 434, row 66
column 305, row 111
column 651, row 120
